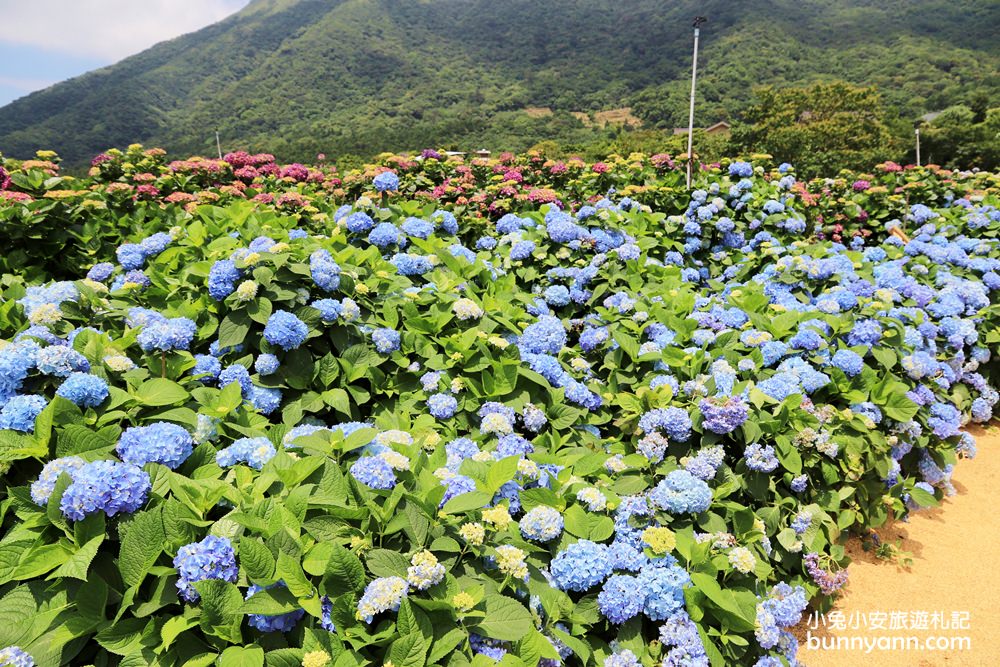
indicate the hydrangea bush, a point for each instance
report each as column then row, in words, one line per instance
column 612, row 428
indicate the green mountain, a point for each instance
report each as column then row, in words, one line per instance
column 298, row 77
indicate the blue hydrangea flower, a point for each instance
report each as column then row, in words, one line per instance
column 623, row 658
column 546, row 336
column 60, row 361
column 387, row 181
column 165, row 334
column 266, row 364
column 329, row 309
column 206, row 368
column 386, row 234
column 374, row 472
column 581, row 566
column 664, row 590
column 681, row 492
column 254, row 452
column 359, row 223
column 386, row 340
column 521, row 250
column 275, row 623
column 155, row 244
column 382, row 595
column 675, row 422
column 87, row 391
column 848, row 361
column 442, row 406
column 211, row 558
column 42, row 488
column 421, row 229
column 222, row 278
column 236, row 373
column 15, row 656
column 865, row 332
column 131, row 256
column 723, row 415
column 741, row 169
column 265, row 399
column 162, row 442
column 542, row 524
column 705, row 463
column 411, row 265
column 325, row 272
column 105, row 486
column 457, row 485
column 533, row 418
column 620, row 598
column 285, row 330
column 100, row 272
column 760, row 457
column 19, row 413
column 799, row 484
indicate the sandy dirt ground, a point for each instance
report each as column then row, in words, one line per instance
column 950, row 594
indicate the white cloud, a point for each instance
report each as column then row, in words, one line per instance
column 25, row 84
column 106, row 29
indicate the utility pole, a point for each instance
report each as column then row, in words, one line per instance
column 916, row 131
column 698, row 21
column 218, row 144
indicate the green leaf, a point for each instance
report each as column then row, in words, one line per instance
column 506, row 619
column 467, row 502
column 923, row 498
column 290, row 570
column 256, row 559
column 271, row 602
column 344, row 572
column 408, row 651
column 160, row 391
column 738, row 609
column 411, row 619
column 338, row 399
column 75, row 440
column 78, row 564
column 501, row 472
column 141, row 546
column 240, row 656
column 220, row 609
column 386, row 563
column 445, row 644
column 233, row 329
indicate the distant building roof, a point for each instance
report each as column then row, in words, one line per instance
column 721, row 126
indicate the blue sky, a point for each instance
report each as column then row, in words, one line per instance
column 43, row 42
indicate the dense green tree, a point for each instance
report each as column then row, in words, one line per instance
column 819, row 129
column 963, row 137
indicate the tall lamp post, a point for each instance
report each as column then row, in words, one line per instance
column 916, row 132
column 698, row 21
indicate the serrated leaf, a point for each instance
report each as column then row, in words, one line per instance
column 408, row 651
column 141, row 545
column 78, row 564
column 386, row 563
column 506, row 619
column 257, row 560
column 160, row 391
column 344, row 572
column 242, row 656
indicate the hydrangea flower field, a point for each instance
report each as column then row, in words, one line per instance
column 447, row 412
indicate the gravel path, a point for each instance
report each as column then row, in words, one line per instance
column 956, row 551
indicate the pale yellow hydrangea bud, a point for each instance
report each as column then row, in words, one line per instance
column 463, row 602
column 473, row 533
column 246, row 291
